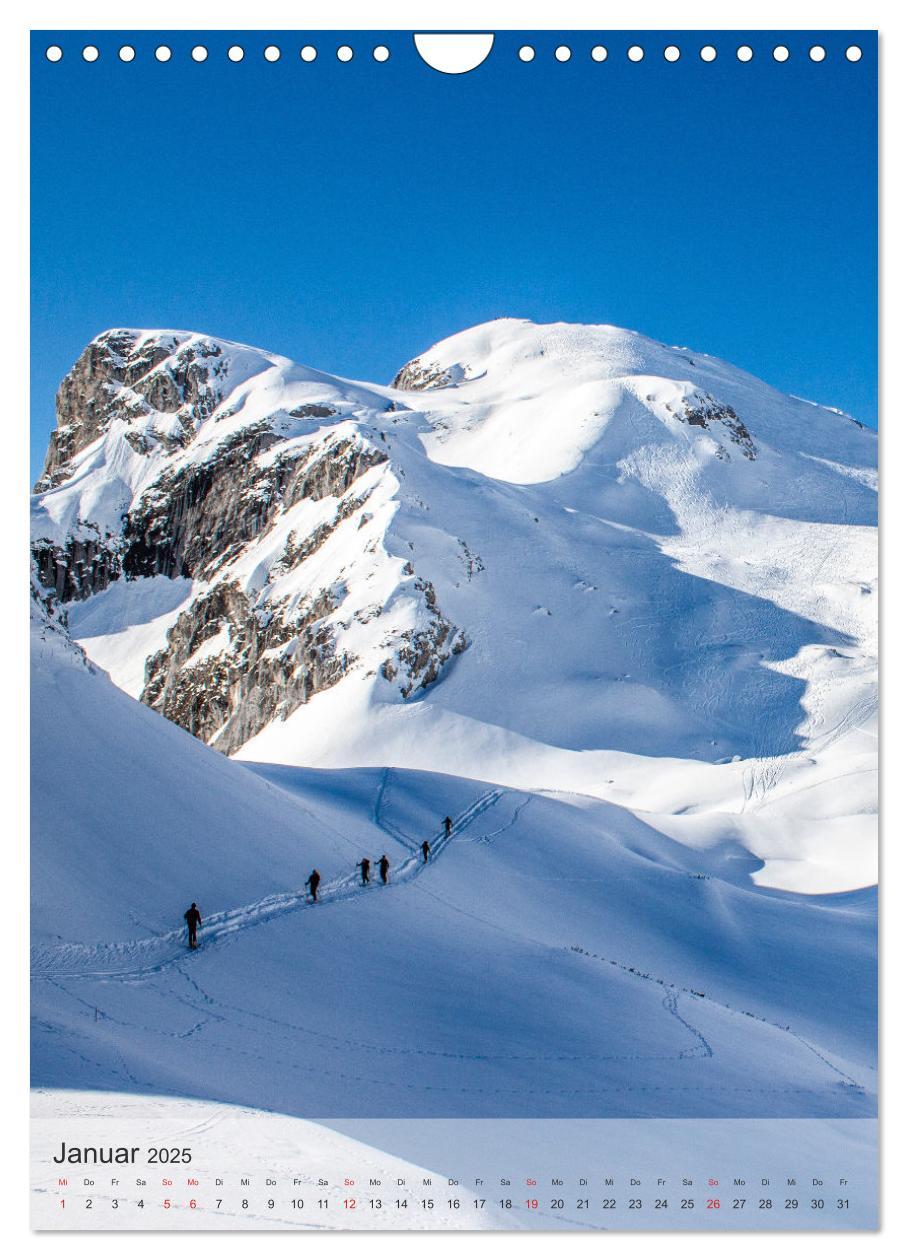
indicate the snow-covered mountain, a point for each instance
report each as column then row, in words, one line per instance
column 554, row 557
column 607, row 603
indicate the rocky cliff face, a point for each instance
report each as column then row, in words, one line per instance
column 130, row 377
column 229, row 668
column 78, row 568
column 200, row 516
column 245, row 501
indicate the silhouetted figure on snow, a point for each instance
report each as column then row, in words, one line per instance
column 426, row 850
column 383, row 867
column 193, row 922
column 365, row 866
column 312, row 884
column 448, row 827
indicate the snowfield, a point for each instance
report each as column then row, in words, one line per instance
column 557, row 956
column 608, row 604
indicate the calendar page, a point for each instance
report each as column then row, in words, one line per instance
column 453, row 636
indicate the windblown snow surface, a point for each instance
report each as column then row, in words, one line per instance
column 657, row 748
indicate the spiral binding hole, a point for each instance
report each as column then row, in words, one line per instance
column 526, row 53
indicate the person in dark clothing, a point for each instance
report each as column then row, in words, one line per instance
column 312, row 884
column 383, row 867
column 448, row 826
column 193, row 922
column 425, row 850
column 365, row 866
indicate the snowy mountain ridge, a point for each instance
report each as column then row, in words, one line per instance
column 605, row 604
column 555, row 557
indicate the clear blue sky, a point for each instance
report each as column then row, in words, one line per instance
column 350, row 215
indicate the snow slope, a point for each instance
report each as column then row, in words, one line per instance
column 567, row 558
column 558, row 956
column 98, row 761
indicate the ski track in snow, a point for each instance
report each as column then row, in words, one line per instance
column 156, row 953
column 72, row 962
column 288, row 1033
column 674, row 991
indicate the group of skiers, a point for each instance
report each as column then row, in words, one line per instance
column 194, row 919
column 365, row 867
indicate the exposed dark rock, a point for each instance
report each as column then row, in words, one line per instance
column 423, row 653
column 201, row 513
column 296, row 550
column 120, row 375
column 85, row 401
column 312, row 411
column 49, row 622
column 266, row 657
column 78, row 569
column 739, row 434
column 44, row 600
column 704, row 410
column 272, row 665
column 419, row 375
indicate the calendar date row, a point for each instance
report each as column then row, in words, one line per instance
column 351, row 1204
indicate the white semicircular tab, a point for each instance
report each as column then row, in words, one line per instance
column 454, row 54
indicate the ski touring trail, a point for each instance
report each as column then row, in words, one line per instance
column 141, row 957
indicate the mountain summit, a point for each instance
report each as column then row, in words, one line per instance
column 563, row 558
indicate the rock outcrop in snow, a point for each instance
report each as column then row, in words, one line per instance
column 228, row 669
column 123, row 377
column 195, row 519
column 419, row 375
column 78, row 567
column 210, row 448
